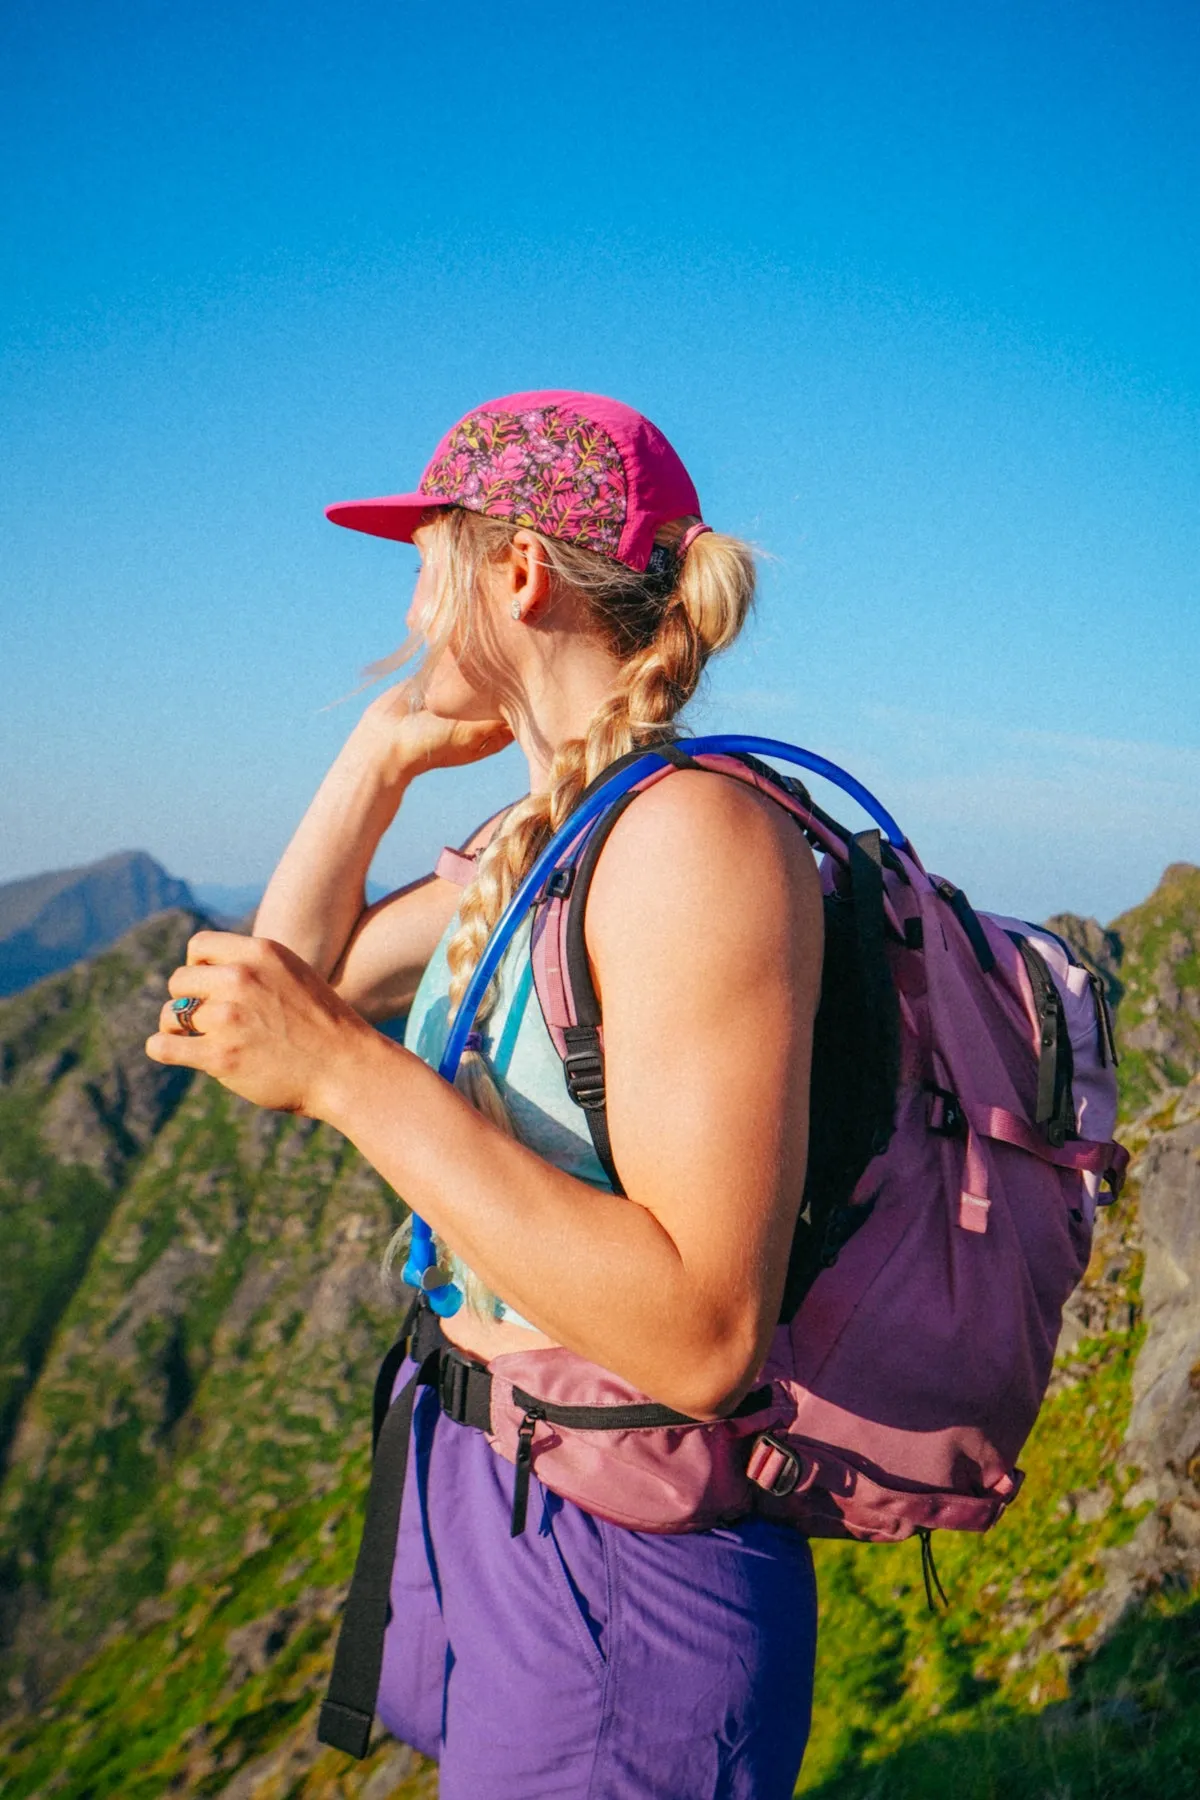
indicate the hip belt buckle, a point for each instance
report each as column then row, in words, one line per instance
column 773, row 1466
column 453, row 1376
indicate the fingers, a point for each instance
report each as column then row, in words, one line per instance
column 210, row 1016
column 219, row 960
column 176, row 1047
column 224, row 947
column 204, row 980
column 218, row 984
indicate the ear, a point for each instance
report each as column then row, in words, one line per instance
column 527, row 575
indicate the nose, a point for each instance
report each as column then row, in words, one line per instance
column 417, row 616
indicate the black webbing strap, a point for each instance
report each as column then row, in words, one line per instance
column 968, row 918
column 464, row 1391
column 348, row 1710
column 881, row 1012
column 389, row 1368
column 670, row 752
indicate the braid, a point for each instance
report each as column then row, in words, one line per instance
column 664, row 628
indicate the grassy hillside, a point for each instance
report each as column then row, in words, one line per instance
column 191, row 1329
column 1160, row 976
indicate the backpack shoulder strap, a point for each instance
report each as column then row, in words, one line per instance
column 571, row 1008
column 562, row 974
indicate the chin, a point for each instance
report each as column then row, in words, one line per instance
column 450, row 695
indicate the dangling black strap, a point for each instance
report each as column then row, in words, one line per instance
column 929, row 1570
column 389, row 1368
column 520, row 1505
column 348, row 1710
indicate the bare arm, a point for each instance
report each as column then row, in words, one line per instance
column 392, row 941
column 704, row 925
column 705, row 930
column 315, row 902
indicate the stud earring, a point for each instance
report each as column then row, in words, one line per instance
column 516, row 609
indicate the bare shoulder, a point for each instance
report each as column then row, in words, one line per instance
column 701, row 845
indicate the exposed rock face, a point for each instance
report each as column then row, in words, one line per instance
column 1159, row 1022
column 1097, row 948
column 1149, row 960
column 49, row 921
column 1163, row 1439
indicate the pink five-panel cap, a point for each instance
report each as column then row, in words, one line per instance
column 575, row 466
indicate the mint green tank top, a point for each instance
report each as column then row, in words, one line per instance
column 521, row 1055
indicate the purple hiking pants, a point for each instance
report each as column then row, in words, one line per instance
column 583, row 1661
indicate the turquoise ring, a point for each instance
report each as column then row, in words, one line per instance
column 183, row 1010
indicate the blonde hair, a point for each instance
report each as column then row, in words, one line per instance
column 662, row 624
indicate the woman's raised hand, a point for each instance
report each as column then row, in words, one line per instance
column 412, row 742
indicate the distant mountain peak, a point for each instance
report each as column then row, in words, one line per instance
column 49, row 921
column 1174, row 873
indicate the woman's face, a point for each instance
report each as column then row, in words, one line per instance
column 450, row 691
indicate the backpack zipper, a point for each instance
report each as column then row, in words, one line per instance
column 642, row 1417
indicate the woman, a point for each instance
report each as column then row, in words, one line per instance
column 569, row 597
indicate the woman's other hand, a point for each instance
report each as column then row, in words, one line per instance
column 267, row 1026
column 316, row 898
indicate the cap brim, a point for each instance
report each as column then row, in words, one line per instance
column 394, row 516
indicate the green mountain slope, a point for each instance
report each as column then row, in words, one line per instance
column 79, row 1102
column 192, row 1326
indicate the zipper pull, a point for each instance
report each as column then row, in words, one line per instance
column 525, row 1431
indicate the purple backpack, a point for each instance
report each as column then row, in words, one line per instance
column 963, row 1103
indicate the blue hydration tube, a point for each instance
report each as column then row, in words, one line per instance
column 445, row 1298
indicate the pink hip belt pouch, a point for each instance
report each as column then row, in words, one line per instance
column 657, row 1476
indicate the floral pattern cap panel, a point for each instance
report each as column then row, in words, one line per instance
column 580, row 467
column 548, row 469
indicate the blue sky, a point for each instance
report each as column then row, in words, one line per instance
column 913, row 288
